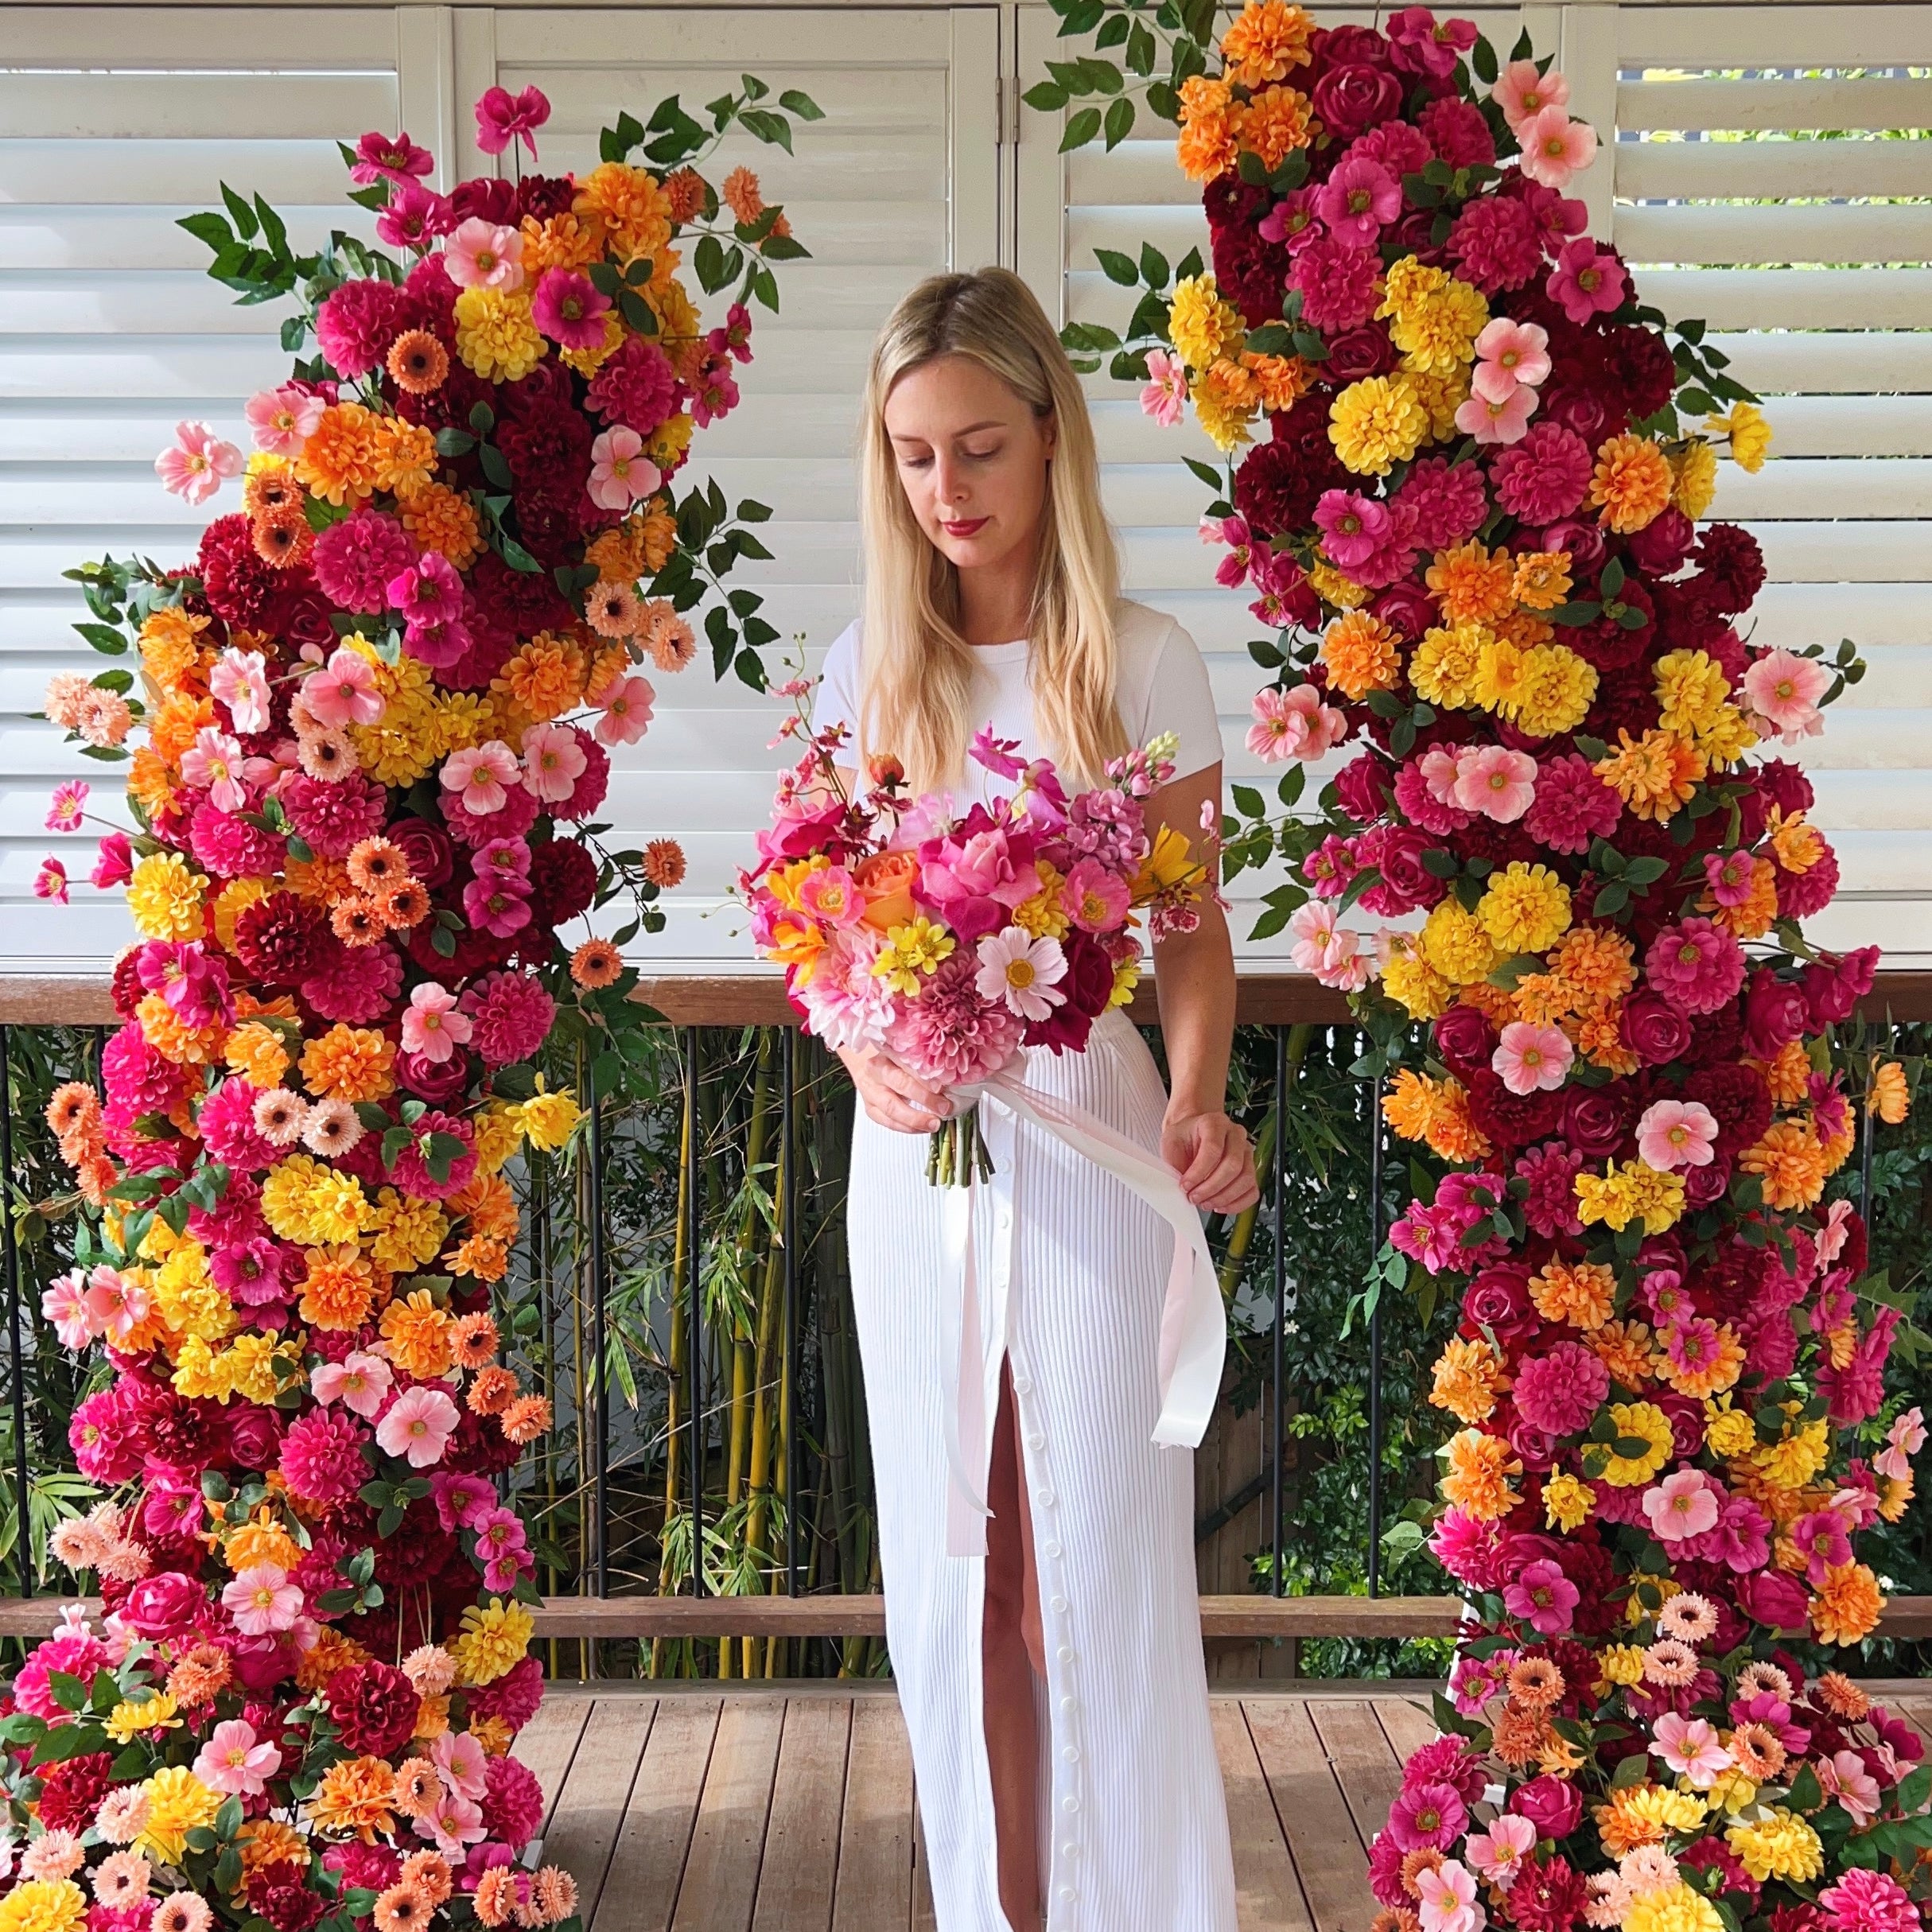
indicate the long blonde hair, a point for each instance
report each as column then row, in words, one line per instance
column 917, row 669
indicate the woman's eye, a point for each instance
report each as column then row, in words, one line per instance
column 984, row 456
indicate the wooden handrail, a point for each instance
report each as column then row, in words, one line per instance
column 758, row 999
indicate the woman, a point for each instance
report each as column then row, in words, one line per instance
column 1054, row 1688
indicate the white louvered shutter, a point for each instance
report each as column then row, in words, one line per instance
column 896, row 183
column 1774, row 174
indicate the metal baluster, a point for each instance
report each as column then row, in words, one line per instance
column 599, row 1303
column 9, row 1257
column 787, row 1235
column 693, row 1371
column 1375, row 1418
column 1278, row 1366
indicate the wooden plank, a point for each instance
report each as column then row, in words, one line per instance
column 1407, row 1725
column 1267, row 1896
column 1329, row 1859
column 925, row 1917
column 1365, row 1765
column 875, row 1844
column 590, row 1809
column 721, row 1872
column 800, row 1870
column 645, row 1866
column 549, row 1742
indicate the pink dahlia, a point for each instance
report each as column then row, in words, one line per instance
column 356, row 324
column 333, row 817
column 1696, row 964
column 1446, row 499
column 1496, row 243
column 1573, row 806
column 1339, row 283
column 513, row 1802
column 951, row 1036
column 1870, row 1902
column 593, row 782
column 1550, row 1173
column 637, row 386
column 513, row 1696
column 357, row 984
column 321, row 1455
column 230, row 847
column 354, row 561
column 1457, row 131
column 1545, row 477
column 1560, row 1390
column 511, row 1014
column 411, row 1173
column 228, row 1131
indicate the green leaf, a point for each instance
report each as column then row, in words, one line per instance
column 208, row 228
column 1119, row 122
column 1154, row 270
column 1482, row 59
column 246, row 226
column 803, row 105
column 104, row 638
column 1081, row 128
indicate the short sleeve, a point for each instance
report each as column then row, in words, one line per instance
column 1180, row 699
column 838, row 699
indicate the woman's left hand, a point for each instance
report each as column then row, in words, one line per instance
column 1211, row 1155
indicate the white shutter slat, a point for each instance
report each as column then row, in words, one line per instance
column 114, row 238
column 1749, row 171
column 1876, row 101
column 1719, row 231
column 1797, row 487
column 65, row 106
column 1830, row 362
column 1792, row 298
column 1731, row 36
column 269, row 42
column 1876, row 425
column 111, row 172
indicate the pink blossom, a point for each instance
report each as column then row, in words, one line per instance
column 115, row 863
column 262, row 1600
column 461, row 1763
column 1821, row 1539
column 570, row 308
column 1684, row 1504
column 240, row 680
column 1294, row 724
column 481, row 776
column 1494, row 423
column 1903, row 1440
column 50, row 881
column 64, row 1303
column 415, row 216
column 620, row 473
column 192, row 467
column 1022, row 971
column 1690, row 1748
column 1234, row 570
column 1522, row 93
column 1427, row 1817
column 63, row 809
column 359, row 1382
column 343, row 692
column 213, row 763
column 428, row 592
column 503, row 1549
column 501, row 118
column 1532, row 1058
column 235, row 1762
column 1494, row 781
column 1166, row 393
column 1782, row 690
column 455, row 1824
column 1587, row 282
column 626, row 716
column 1728, row 876
column 1675, row 1133
column 1844, row 1776
column 1554, row 147
column 379, row 157
column 498, row 905
column 1543, row 1597
column 478, row 255
column 418, row 1424
column 1508, row 353
column 1095, row 898
column 283, row 419
column 117, row 1303
column 1358, row 201
column 1696, row 964
column 1353, row 526
column 1449, row 1900
column 433, row 1024
column 553, row 761
column 1333, row 954
column 1497, row 1854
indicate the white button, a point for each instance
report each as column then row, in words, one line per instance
column 1051, row 1549
column 1066, row 1894
column 1071, row 1755
column 1058, row 1605
column 1048, row 1498
column 1035, row 1439
column 1065, row 1655
column 1068, row 1706
column 1069, row 1851
column 1069, row 1803
column 1023, row 1384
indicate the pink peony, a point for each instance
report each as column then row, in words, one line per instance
column 418, row 1425
column 1532, row 1058
column 321, row 1456
column 1684, row 1504
column 1587, row 281
column 949, row 1035
column 1554, row 147
column 1498, row 782
column 1870, row 1902
column 1675, row 1133
column 1294, row 724
column 1560, row 1390
column 192, row 467
column 1445, row 501
column 1697, row 965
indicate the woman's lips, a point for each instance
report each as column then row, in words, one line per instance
column 971, row 527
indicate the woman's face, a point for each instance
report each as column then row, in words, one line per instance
column 972, row 457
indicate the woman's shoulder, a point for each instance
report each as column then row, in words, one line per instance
column 1149, row 644
column 1163, row 684
column 838, row 680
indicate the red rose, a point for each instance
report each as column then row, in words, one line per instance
column 1595, row 1121
column 1356, row 353
column 427, row 850
column 1653, row 1029
column 1465, row 1040
column 1770, row 1597
column 1552, row 1805
column 164, row 1606
column 1353, row 97
column 1407, row 607
column 1088, row 986
column 438, row 1081
column 254, row 1436
column 1775, row 1013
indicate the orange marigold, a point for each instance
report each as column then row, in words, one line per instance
column 271, row 487
column 1582, row 1293
column 1264, row 40
column 1887, row 1096
column 1599, row 1039
column 1598, row 965
column 474, row 1340
column 256, row 1052
column 525, row 1419
column 149, row 783
column 281, row 536
column 353, row 1063
column 418, row 1333
column 166, row 1032
column 1652, row 775
column 339, row 1288
column 358, row 1795
column 1626, row 1349
column 740, row 194
column 441, row 520
column 1841, row 1696
column 173, row 723
column 1466, row 1374
column 348, row 451
column 1273, row 124
column 1798, row 844
column 1846, row 1606
column 1631, row 484
column 1787, row 1073
column 1361, row 654
column 1207, row 147
column 544, row 679
column 268, row 1842
column 171, row 648
column 635, row 212
column 1473, row 584
column 1478, row 1481
column 1542, row 579
column 1794, row 1167
column 482, row 1257
column 1520, row 1735
column 664, row 863
column 492, row 1390
column 199, row 1675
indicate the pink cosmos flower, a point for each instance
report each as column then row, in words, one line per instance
column 429, row 592
column 481, row 776
column 1689, row 1747
column 626, row 716
column 213, row 764
column 1684, row 1504
column 343, row 692
column 1508, row 353
column 461, row 1763
column 1696, row 964
column 1554, row 147
column 501, row 118
column 1354, row 527
column 498, row 905
column 1096, row 899
column 478, row 255
column 1294, row 724
column 1022, row 971
column 415, row 216
column 1166, row 393
column 1358, row 200
column 1498, row 783
column 359, row 1382
column 235, row 1762
column 193, row 466
column 553, row 761
column 283, row 419
column 1333, row 954
column 63, row 809
column 1449, row 1900
column 1522, row 93
column 570, row 308
column 50, row 881
column 503, row 1549
column 1497, row 1854
column 619, row 472
column 115, row 863
column 1587, row 281
column 456, row 1824
column 433, row 1024
column 1844, row 1776
column 1543, row 1597
column 64, row 1303
column 1821, row 1539
column 240, row 680
column 1783, row 690
column 1497, row 424
column 382, row 157
column 418, row 1424
column 1532, row 1058
column 1675, row 1133
column 262, row 1600
column 117, row 1304
column 1235, row 568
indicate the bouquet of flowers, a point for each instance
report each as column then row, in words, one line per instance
column 1475, row 525
column 952, row 940
column 360, row 808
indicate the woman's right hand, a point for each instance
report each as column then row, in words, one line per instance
column 893, row 1097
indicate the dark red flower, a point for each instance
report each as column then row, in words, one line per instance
column 278, row 938
column 238, row 586
column 374, row 1707
column 71, row 1792
column 1730, row 568
column 563, row 878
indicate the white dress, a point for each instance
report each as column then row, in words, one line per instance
column 1132, row 1826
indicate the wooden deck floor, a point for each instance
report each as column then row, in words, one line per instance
column 793, row 1811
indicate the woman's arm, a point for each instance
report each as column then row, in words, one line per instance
column 1194, row 978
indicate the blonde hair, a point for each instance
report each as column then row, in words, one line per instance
column 916, row 672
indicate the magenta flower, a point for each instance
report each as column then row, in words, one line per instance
column 415, row 216
column 570, row 308
column 1427, row 1817
column 503, row 1549
column 1554, row 147
column 498, row 905
column 1820, row 1535
column 1358, row 201
column 379, row 157
column 1587, row 282
column 63, row 812
column 1560, row 1390
column 50, row 881
column 115, row 863
column 1424, row 45
column 1870, row 1902
column 428, row 591
column 418, row 1425
column 192, row 467
column 1353, row 526
column 501, row 119
column 1543, row 1597
column 1697, row 965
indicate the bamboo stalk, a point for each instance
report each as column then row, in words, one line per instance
column 673, row 1434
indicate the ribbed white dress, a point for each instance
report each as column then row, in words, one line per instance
column 1136, row 1840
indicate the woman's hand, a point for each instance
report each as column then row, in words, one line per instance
column 892, row 1096
column 1211, row 1155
